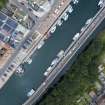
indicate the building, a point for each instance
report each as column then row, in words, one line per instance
column 11, row 32
column 38, row 7
column 19, row 15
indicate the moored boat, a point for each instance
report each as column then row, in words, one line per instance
column 70, row 9
column 54, row 62
column 60, row 54
column 20, row 70
column 53, row 29
column 29, row 61
column 40, row 44
column 88, row 21
column 75, row 1
column 77, row 35
column 30, row 93
column 59, row 23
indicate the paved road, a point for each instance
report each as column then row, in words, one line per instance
column 71, row 51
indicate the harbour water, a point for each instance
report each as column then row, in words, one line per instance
column 16, row 89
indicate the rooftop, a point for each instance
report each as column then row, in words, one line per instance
column 11, row 30
column 38, row 7
column 101, row 101
column 39, row 2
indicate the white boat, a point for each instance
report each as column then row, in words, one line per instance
column 20, row 70
column 54, row 62
column 101, row 3
column 30, row 93
column 83, row 28
column 49, row 69
column 46, row 73
column 59, row 23
column 53, row 29
column 60, row 54
column 70, row 9
column 75, row 1
column 29, row 61
column 40, row 44
column 77, row 35
column 88, row 21
column 65, row 16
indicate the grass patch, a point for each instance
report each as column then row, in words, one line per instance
column 3, row 3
